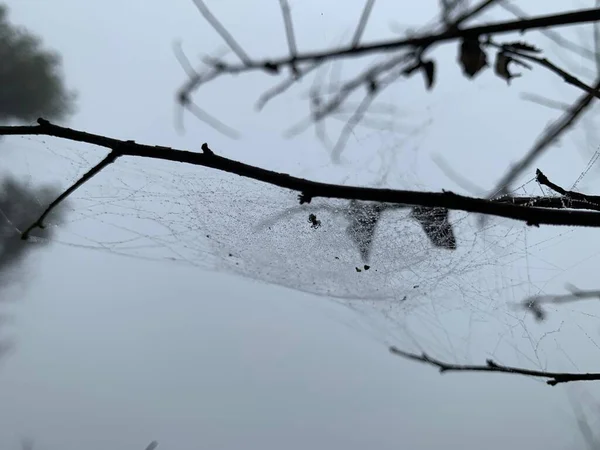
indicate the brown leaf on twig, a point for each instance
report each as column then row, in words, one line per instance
column 428, row 69
column 436, row 226
column 501, row 67
column 523, row 47
column 363, row 218
column 472, row 58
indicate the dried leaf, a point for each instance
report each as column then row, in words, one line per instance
column 363, row 217
column 472, row 57
column 522, row 46
column 436, row 226
column 501, row 67
column 428, row 69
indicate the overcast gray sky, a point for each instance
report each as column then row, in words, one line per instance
column 113, row 352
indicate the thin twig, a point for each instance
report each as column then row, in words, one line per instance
column 219, row 28
column 547, row 138
column 183, row 96
column 572, row 195
column 184, row 62
column 152, row 445
column 549, row 202
column 543, row 101
column 584, row 426
column 554, row 378
column 534, row 303
column 359, row 113
column 474, row 12
column 567, row 77
column 311, row 189
column 213, row 122
column 39, row 223
column 289, row 29
column 350, row 124
column 283, row 86
column 446, row 7
column 362, row 23
column 550, row 34
column 597, row 43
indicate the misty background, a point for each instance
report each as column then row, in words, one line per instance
column 113, row 352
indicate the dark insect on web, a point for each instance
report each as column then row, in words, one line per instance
column 314, row 222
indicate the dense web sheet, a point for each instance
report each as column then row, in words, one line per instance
column 218, row 221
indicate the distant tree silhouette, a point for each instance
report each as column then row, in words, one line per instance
column 31, row 85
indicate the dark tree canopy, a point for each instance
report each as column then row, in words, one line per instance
column 31, row 85
column 31, row 82
column 20, row 204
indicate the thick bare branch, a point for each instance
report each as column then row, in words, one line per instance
column 532, row 215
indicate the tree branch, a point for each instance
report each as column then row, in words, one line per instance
column 534, row 303
column 362, row 23
column 532, row 215
column 570, row 195
column 548, row 138
column 554, row 378
column 544, row 62
column 521, row 25
column 219, row 28
column 39, row 223
column 289, row 31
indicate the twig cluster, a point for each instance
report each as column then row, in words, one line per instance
column 407, row 56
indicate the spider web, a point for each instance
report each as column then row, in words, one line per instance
column 406, row 289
